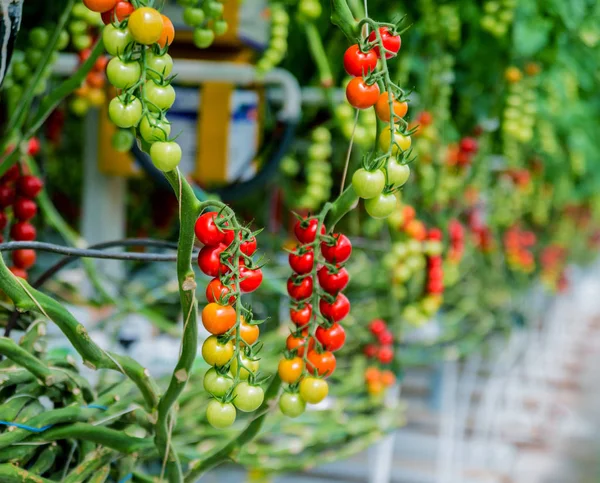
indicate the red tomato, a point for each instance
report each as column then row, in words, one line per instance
column 385, row 354
column 340, row 251
column 298, row 342
column 216, row 291
column 18, row 272
column 209, row 260
column 228, row 238
column 24, row 209
column 337, row 310
column 469, row 145
column 100, row 5
column 377, row 326
column 29, row 186
column 435, row 286
column 321, row 363
column 248, row 247
column 12, row 174
column 385, row 338
column 425, row 118
column 22, row 231
column 362, row 95
column 302, row 263
column 218, row 319
column 250, row 278
column 333, row 282
column 4, row 222
column 300, row 288
column 391, row 42
column 120, row 12
column 301, row 315
column 333, row 338
column 7, row 196
column 435, row 234
column 306, row 230
column 370, row 350
column 23, row 258
column 207, row 231
column 359, row 63
column 33, row 147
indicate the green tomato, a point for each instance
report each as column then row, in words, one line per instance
column 280, row 17
column 123, row 140
column 162, row 64
column 79, row 106
column 214, row 9
column 82, row 42
column 121, row 74
column 220, row 27
column 39, row 37
column 34, row 57
column 153, row 129
column 166, row 156
column 63, row 40
column 220, row 415
column 247, row 397
column 125, row 115
column 216, row 383
column 194, row 17
column 251, row 365
column 79, row 10
column 20, row 70
column 159, row 97
column 319, row 151
column 397, row 174
column 313, row 390
column 381, row 206
column 291, row 405
column 280, row 32
column 368, row 184
column 40, row 87
column 78, row 27
column 310, row 9
column 115, row 39
column 321, row 135
column 203, row 38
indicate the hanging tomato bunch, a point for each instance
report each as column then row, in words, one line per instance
column 206, row 18
column 380, row 352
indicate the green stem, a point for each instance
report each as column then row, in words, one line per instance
column 341, row 15
column 93, row 461
column 14, row 474
column 10, row 349
column 317, row 50
column 342, row 205
column 101, row 475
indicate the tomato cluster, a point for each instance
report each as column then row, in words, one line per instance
column 518, row 244
column 231, row 349
column 18, row 191
column 91, row 92
column 381, row 348
column 318, row 333
column 456, row 233
column 278, row 42
column 461, row 154
column 378, row 380
column 553, row 260
column 206, row 18
column 435, row 270
column 498, row 16
column 519, row 116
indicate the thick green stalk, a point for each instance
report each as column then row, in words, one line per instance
column 341, row 15
column 14, row 474
column 45, row 460
column 20, row 356
column 342, row 205
column 318, row 52
column 189, row 208
column 93, row 461
column 101, row 475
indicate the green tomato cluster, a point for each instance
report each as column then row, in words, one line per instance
column 366, row 128
column 498, row 16
column 519, row 117
column 441, row 75
column 309, row 9
column 278, row 43
column 81, row 22
column 206, row 18
column 450, row 23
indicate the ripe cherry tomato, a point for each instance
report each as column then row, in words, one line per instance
column 469, row 145
column 207, row 230
column 382, row 206
column 375, row 388
column 216, row 353
column 337, row 310
column 368, row 184
column 249, row 332
column 12, row 174
column 220, row 415
column 209, row 260
column 248, row 247
column 333, row 282
column 391, row 42
column 290, row 370
column 24, row 209
column 218, row 319
column 248, row 397
column 100, row 6
column 168, row 32
column 388, row 378
column 120, row 12
column 360, row 94
column 372, row 374
column 385, row 338
column 216, row 292
column 313, row 390
column 377, row 326
column 18, row 272
column 300, row 288
column 306, row 230
column 370, row 350
column 301, row 315
column 122, row 74
column 216, row 383
column 322, row 363
column 302, row 263
column 385, row 354
column 358, row 63
column 7, row 196
column 291, row 405
column 34, row 146
column 333, row 338
column 29, row 186
column 95, row 80
column 23, row 258
column 382, row 108
column 339, row 251
column 22, row 231
column 145, row 25
column 250, row 278
column 298, row 342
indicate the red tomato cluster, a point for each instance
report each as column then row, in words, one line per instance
column 91, row 92
column 18, row 191
column 383, row 346
column 435, row 270
column 456, row 233
column 518, row 244
column 553, row 259
column 520, row 177
column 482, row 235
column 461, row 154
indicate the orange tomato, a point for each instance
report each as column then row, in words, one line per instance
column 513, row 75
column 218, row 319
column 388, row 378
column 382, row 108
column 100, row 6
column 375, row 388
column 372, row 374
column 321, row 363
column 248, row 332
column 290, row 370
column 416, row 229
column 168, row 32
column 299, row 343
column 96, row 80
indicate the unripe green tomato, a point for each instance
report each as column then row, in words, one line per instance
column 278, row 45
column 116, row 40
column 220, row 415
column 414, row 247
column 289, row 166
column 20, row 70
column 79, row 10
column 153, row 129
column 247, row 397
column 93, row 18
column 216, row 383
column 310, row 9
column 162, row 64
column 159, row 97
column 317, row 192
column 400, row 250
column 249, row 364
column 412, row 263
column 291, row 404
column 368, row 184
column 344, row 112
column 491, row 7
column 433, row 248
column 279, row 32
column 397, row 174
column 34, row 57
column 123, row 140
column 319, row 151
column 82, row 42
column 381, row 206
column 166, row 156
column 402, row 273
column 203, row 38
column 122, row 74
column 39, row 37
column 193, row 16
column 411, row 314
column 125, row 115
column 506, row 16
column 78, row 27
column 79, row 106
column 63, row 40
column 273, row 56
column 321, row 135
column 399, row 292
column 220, row 27
column 279, row 17
column 214, row 9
